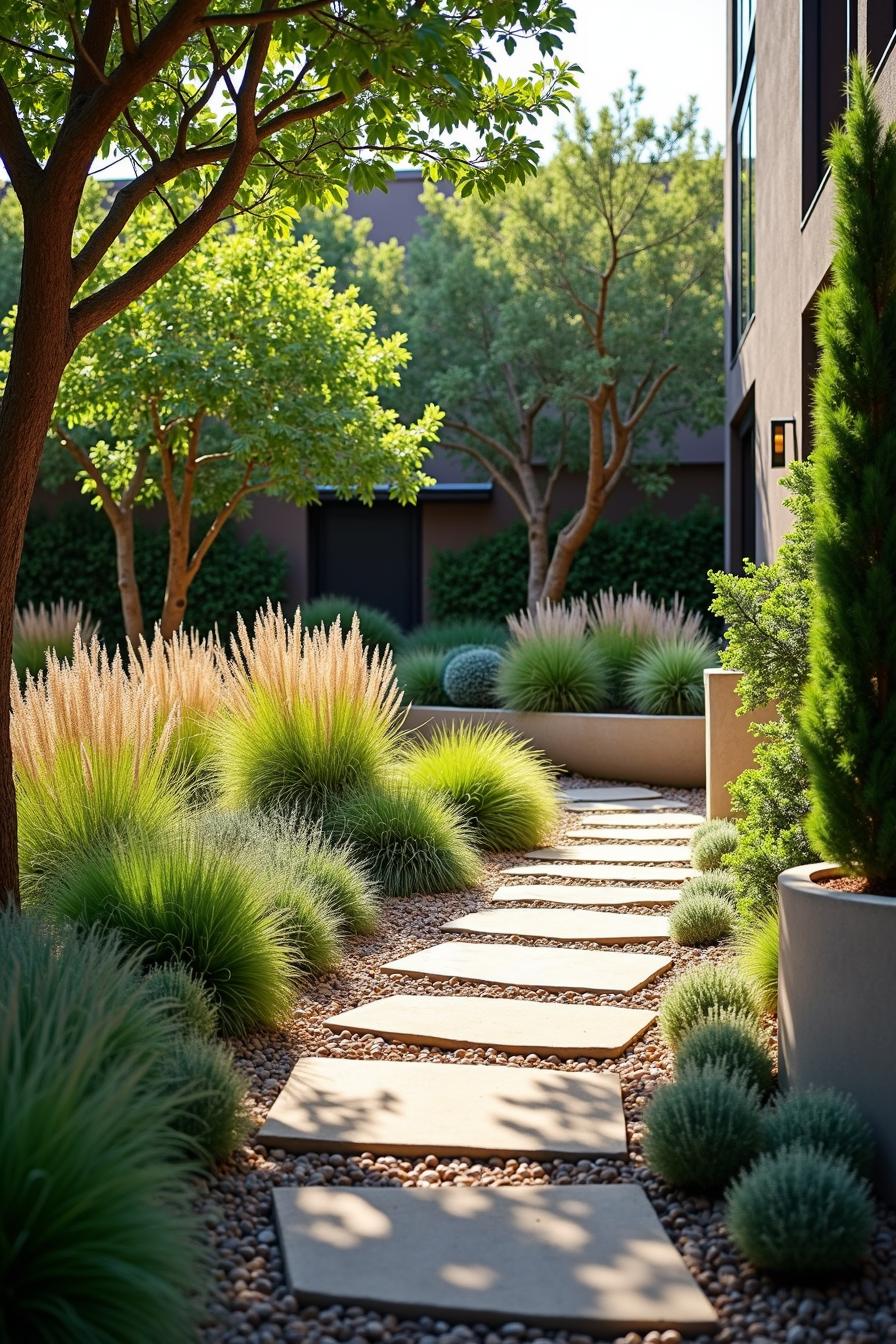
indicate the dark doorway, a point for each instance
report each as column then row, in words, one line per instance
column 743, row 484
column 370, row 553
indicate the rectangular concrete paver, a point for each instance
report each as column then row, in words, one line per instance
column 555, row 893
column 622, row 823
column 374, row 1106
column 590, row 1258
column 650, row 834
column 603, row 872
column 601, row 853
column 517, row 1026
column 553, row 968
column 608, row 793
column 667, row 805
column 564, row 926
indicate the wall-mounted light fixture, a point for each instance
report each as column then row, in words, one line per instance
column 779, row 441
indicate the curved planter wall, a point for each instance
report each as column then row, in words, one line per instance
column 837, row 999
column 641, row 748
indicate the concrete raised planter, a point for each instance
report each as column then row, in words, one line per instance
column 837, row 999
column 729, row 742
column 640, row 748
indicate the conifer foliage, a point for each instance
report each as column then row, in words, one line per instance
column 849, row 718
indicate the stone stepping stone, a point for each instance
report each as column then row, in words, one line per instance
column 564, row 926
column 602, row 872
column 374, row 1106
column 650, row 823
column 600, row 853
column 653, row 836
column 517, row 1026
column 608, row 793
column 552, row 968
column 556, row 894
column 668, row 805
column 585, row 1258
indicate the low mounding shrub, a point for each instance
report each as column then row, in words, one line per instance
column 443, row 636
column 551, row 674
column 801, row 1212
column 711, row 842
column 698, row 920
column 309, row 718
column 294, row 853
column 212, row 1117
column 730, row 1043
column 99, row 1240
column 470, row 678
column 410, row 841
column 824, row 1119
column 702, row 1129
column 186, row 998
column 419, row 674
column 501, row 787
column 714, row 882
column 667, row 678
column 378, row 630
column 701, row 992
column 176, row 899
column 759, row 958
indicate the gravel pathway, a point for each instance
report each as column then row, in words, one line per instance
column 251, row 1300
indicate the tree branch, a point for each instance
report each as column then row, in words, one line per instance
column 497, row 476
column 85, row 462
column 23, row 168
column 245, row 488
column 264, row 15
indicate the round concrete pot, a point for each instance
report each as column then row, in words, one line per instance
column 837, row 999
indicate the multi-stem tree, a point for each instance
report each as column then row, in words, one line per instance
column 262, row 106
column 267, row 381
column 849, row 717
column 563, row 323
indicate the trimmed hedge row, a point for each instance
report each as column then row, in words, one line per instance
column 662, row 555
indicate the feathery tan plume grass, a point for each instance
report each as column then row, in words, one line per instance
column 35, row 629
column 185, row 672
column 87, row 703
column 638, row 615
column 550, row 618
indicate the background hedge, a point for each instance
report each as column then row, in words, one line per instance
column 662, row 555
column 71, row 554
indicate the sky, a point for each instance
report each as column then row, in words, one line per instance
column 677, row 47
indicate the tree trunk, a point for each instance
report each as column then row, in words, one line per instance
column 538, row 557
column 177, row 583
column 41, row 347
column 128, row 588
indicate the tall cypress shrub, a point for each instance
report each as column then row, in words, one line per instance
column 848, row 728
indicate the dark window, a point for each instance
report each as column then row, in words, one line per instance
column 881, row 27
column 745, row 212
column 744, row 14
column 744, row 547
column 829, row 38
column 370, row 553
column 810, row 357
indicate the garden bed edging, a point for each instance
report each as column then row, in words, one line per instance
column 837, row 999
column 635, row 748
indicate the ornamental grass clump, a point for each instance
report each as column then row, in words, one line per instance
column 502, row 787
column 758, row 958
column 667, row 677
column 696, row 921
column 39, row 629
column 411, row 842
column 98, row 1236
column 550, row 618
column 711, row 843
column 824, row 1119
column 419, row 674
column 174, row 898
column 470, row 677
column 801, row 1212
column 185, row 675
column 848, row 723
column 186, row 999
column 553, row 674
column 714, row 882
column 702, row 1129
column 92, row 763
column 378, row 630
column 729, row 1042
column 444, row 636
column 309, row 717
column 700, row 993
column 211, row 1117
